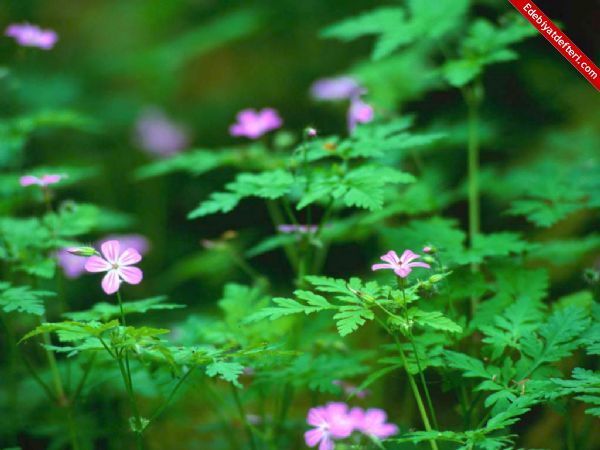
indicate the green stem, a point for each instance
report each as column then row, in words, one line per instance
column 418, row 361
column 56, row 379
column 160, row 409
column 127, row 379
column 72, row 429
column 413, row 385
column 277, row 219
column 473, row 100
column 240, row 407
column 84, row 378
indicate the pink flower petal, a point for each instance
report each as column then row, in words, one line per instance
column 50, row 179
column 403, row 271
column 419, row 264
column 131, row 275
column 28, row 180
column 391, row 257
column 97, row 264
column 110, row 250
column 312, row 437
column 408, row 256
column 326, row 444
column 129, row 256
column 111, row 282
column 381, row 266
column 316, row 417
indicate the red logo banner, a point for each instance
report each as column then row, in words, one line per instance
column 560, row 40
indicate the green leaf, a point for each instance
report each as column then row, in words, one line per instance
column 196, row 162
column 104, row 311
column 269, row 185
column 557, row 339
column 434, row 319
column 228, row 371
column 22, row 299
column 351, row 317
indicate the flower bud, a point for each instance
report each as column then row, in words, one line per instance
column 310, row 132
column 436, row 278
column 82, row 251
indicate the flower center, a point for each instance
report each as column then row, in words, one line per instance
column 115, row 266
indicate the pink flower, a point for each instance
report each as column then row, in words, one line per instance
column 427, row 249
column 373, row 422
column 330, row 422
column 117, row 264
column 73, row 265
column 44, row 181
column 159, row 135
column 29, row 35
column 253, row 124
column 311, row 132
column 338, row 88
column 134, row 241
column 359, row 112
column 401, row 266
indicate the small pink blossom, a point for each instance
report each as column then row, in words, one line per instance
column 311, row 132
column 253, row 124
column 401, row 266
column 427, row 249
column 28, row 35
column 117, row 265
column 73, row 264
column 158, row 135
column 331, row 422
column 43, row 181
column 359, row 112
column 373, row 422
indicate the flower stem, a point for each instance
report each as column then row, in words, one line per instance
column 473, row 95
column 413, row 385
column 127, row 379
column 418, row 361
column 416, row 393
column 240, row 407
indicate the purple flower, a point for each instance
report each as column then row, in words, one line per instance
column 117, row 265
column 158, row 135
column 73, row 266
column 401, row 266
column 29, row 35
column 43, row 181
column 331, row 422
column 338, row 88
column 345, row 88
column 359, row 112
column 373, row 422
column 301, row 229
column 253, row 124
